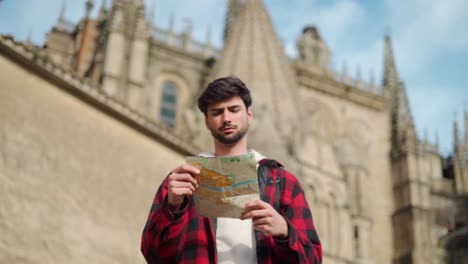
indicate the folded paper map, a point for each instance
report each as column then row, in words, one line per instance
column 225, row 184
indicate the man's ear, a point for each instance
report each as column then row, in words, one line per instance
column 249, row 114
column 206, row 122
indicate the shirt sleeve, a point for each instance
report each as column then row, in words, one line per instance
column 160, row 241
column 303, row 243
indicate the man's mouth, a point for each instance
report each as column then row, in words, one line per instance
column 227, row 128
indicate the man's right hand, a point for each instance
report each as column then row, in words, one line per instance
column 181, row 183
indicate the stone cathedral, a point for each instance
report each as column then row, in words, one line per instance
column 93, row 120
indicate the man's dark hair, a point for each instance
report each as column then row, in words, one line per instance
column 221, row 89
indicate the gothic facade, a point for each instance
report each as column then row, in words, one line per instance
column 378, row 192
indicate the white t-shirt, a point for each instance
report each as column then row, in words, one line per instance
column 235, row 238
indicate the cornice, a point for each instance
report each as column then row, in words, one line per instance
column 36, row 62
column 328, row 85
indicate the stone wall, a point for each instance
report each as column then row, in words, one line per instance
column 356, row 133
column 76, row 184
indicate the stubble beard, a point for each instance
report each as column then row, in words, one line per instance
column 231, row 139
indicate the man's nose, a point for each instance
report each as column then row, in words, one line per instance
column 226, row 116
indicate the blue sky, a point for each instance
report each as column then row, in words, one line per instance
column 430, row 41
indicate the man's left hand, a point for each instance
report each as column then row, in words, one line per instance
column 266, row 219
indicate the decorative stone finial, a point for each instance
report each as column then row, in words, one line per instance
column 152, row 12
column 62, row 13
column 465, row 121
column 89, row 8
column 456, row 136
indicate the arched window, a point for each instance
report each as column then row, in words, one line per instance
column 168, row 111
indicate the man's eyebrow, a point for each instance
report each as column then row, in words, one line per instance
column 233, row 106
column 216, row 109
column 221, row 108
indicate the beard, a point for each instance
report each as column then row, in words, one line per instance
column 230, row 139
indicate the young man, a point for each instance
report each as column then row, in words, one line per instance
column 175, row 233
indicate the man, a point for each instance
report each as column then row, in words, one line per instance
column 277, row 228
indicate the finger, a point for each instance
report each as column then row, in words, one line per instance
column 183, row 177
column 262, row 221
column 256, row 213
column 186, row 168
column 182, row 184
column 252, row 207
column 182, row 191
column 247, row 213
column 256, row 204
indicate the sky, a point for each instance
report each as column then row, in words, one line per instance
column 430, row 41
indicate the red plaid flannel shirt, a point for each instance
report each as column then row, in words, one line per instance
column 186, row 237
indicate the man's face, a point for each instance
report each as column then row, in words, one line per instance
column 228, row 120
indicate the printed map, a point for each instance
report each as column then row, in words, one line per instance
column 225, row 184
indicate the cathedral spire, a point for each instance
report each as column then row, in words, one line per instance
column 344, row 72
column 89, row 7
column 252, row 51
column 390, row 72
column 152, row 12
column 456, row 138
column 171, row 23
column 102, row 9
column 28, row 38
column 426, row 135
column 208, row 48
column 465, row 123
column 170, row 30
column 403, row 132
column 372, row 85
column 208, row 35
column 61, row 18
column 358, row 78
column 231, row 14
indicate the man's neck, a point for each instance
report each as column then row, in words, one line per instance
column 236, row 149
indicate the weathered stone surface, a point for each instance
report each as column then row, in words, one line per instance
column 75, row 184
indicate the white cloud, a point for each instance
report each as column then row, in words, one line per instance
column 434, row 28
column 336, row 20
